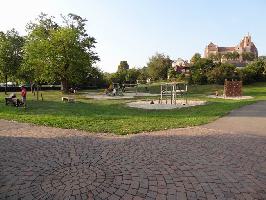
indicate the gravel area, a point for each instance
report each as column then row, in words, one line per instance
column 163, row 106
column 101, row 96
column 231, row 98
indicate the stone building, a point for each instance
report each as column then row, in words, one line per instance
column 180, row 65
column 245, row 45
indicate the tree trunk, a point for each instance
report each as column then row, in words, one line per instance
column 6, row 84
column 64, row 86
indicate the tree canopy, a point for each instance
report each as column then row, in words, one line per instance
column 10, row 53
column 59, row 53
column 195, row 58
column 158, row 66
column 123, row 66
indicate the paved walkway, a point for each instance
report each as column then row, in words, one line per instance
column 248, row 120
column 207, row 162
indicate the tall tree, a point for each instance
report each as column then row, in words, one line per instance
column 158, row 66
column 60, row 53
column 36, row 48
column 200, row 69
column 132, row 75
column 10, row 54
column 123, row 66
column 195, row 58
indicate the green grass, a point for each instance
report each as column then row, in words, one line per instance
column 113, row 116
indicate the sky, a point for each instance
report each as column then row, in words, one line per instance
column 134, row 30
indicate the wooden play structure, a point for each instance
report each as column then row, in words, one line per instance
column 127, row 87
column 171, row 91
column 114, row 90
column 233, row 88
column 117, row 89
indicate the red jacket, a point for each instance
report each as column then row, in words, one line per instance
column 23, row 92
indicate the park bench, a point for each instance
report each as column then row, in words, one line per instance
column 68, row 99
column 12, row 100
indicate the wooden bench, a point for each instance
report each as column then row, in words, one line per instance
column 13, row 101
column 10, row 100
column 68, row 99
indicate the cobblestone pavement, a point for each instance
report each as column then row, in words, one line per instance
column 192, row 163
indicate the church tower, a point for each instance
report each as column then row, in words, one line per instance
column 247, row 41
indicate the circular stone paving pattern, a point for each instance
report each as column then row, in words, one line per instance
column 80, row 179
column 67, row 178
column 176, row 164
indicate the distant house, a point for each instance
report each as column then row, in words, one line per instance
column 245, row 46
column 180, row 65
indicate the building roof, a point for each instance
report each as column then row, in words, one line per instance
column 211, row 45
column 222, row 49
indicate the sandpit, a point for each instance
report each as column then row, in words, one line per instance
column 231, row 98
column 102, row 96
column 156, row 106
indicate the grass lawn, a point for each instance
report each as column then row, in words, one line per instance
column 114, row 117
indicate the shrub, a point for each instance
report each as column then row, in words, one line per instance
column 253, row 72
column 221, row 72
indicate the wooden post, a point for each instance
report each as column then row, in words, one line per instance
column 171, row 95
column 186, row 89
column 161, row 94
column 175, row 93
column 38, row 92
column 166, row 91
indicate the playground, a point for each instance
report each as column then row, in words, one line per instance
column 115, row 115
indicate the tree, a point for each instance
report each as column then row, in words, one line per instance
column 235, row 55
column 228, row 56
column 10, row 54
column 254, row 72
column 248, row 56
column 119, row 77
column 200, row 69
column 195, row 58
column 60, row 53
column 144, row 75
column 171, row 73
column 95, row 78
column 216, row 57
column 262, row 58
column 221, row 72
column 36, row 48
column 158, row 66
column 123, row 66
column 132, row 75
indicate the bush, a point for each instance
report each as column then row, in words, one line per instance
column 221, row 72
column 200, row 69
column 198, row 77
column 253, row 72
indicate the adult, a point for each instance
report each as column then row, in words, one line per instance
column 23, row 95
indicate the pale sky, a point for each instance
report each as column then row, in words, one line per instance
column 134, row 30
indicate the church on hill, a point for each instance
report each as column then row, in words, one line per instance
column 245, row 46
